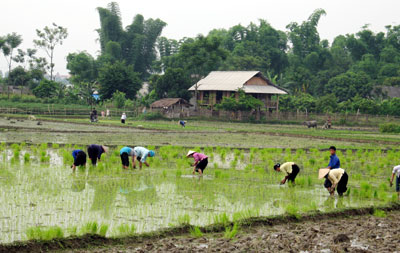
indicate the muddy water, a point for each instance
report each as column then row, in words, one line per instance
column 49, row 194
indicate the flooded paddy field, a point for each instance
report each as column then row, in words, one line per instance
column 197, row 133
column 39, row 190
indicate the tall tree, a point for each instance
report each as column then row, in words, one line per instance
column 9, row 44
column 49, row 38
column 174, row 83
column 136, row 45
column 118, row 76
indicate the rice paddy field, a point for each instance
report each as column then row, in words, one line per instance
column 43, row 199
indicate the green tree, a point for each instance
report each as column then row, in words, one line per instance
column 243, row 103
column 49, row 38
column 46, row 89
column 348, row 85
column 82, row 67
column 119, row 99
column 174, row 83
column 136, row 45
column 118, row 77
column 8, row 45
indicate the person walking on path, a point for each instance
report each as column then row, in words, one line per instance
column 200, row 161
column 79, row 158
column 95, row 151
column 396, row 173
column 125, row 153
column 334, row 163
column 141, row 154
column 123, row 118
column 290, row 169
column 338, row 179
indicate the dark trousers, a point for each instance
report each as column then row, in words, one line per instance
column 125, row 159
column 327, row 182
column 122, row 121
column 80, row 159
column 202, row 165
column 342, row 185
column 293, row 175
column 93, row 154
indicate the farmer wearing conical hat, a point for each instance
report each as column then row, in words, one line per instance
column 290, row 169
column 200, row 161
column 338, row 179
column 95, row 151
column 141, row 154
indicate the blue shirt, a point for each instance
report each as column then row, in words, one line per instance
column 75, row 153
column 141, row 152
column 334, row 162
column 126, row 150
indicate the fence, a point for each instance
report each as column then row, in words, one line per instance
column 66, row 112
column 338, row 118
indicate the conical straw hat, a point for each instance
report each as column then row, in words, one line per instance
column 322, row 173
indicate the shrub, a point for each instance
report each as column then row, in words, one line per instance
column 389, row 128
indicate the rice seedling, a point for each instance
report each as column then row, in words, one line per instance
column 231, row 232
column 126, row 230
column 196, row 232
column 379, row 213
column 27, row 157
column 184, row 220
column 221, row 219
column 38, row 233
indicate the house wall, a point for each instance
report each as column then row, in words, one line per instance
column 256, row 81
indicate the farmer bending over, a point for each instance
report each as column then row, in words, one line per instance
column 200, row 161
column 334, row 163
column 338, row 179
column 182, row 123
column 396, row 172
column 141, row 154
column 79, row 158
column 95, row 152
column 125, row 152
column 290, row 169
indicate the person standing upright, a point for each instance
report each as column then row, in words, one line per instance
column 123, row 118
column 334, row 163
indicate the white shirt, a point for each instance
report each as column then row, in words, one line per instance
column 396, row 170
column 123, row 116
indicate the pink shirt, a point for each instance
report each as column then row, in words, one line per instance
column 199, row 157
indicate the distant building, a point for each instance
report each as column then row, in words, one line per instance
column 171, row 107
column 219, row 84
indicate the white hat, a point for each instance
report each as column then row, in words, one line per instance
column 191, row 152
column 322, row 173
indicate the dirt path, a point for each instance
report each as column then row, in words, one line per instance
column 354, row 234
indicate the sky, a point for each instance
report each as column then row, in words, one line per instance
column 185, row 18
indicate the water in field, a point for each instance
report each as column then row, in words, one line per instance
column 42, row 190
